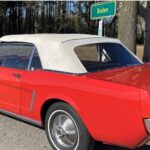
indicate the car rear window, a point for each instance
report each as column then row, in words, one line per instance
column 103, row 56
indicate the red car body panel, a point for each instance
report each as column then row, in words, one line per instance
column 108, row 102
column 10, row 90
column 138, row 76
column 110, row 111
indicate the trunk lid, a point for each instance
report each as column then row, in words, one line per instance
column 138, row 76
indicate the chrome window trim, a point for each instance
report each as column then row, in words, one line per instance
column 31, row 58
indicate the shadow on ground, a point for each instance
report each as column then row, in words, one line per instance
column 100, row 146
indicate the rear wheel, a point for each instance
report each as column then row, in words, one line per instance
column 65, row 130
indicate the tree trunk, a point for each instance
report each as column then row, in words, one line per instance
column 127, row 24
column 147, row 34
column 78, row 17
column 42, row 16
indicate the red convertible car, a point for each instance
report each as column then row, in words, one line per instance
column 80, row 88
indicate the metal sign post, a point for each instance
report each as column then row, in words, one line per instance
column 100, row 27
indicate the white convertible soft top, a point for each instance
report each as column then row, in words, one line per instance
column 56, row 51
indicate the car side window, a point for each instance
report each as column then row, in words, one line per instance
column 35, row 63
column 102, row 56
column 15, row 55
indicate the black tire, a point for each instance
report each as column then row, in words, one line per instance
column 78, row 137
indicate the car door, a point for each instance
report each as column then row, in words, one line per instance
column 30, row 83
column 14, row 61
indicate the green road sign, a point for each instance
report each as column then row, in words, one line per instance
column 103, row 10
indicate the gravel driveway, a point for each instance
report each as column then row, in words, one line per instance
column 16, row 135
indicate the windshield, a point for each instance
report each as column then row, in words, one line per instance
column 95, row 57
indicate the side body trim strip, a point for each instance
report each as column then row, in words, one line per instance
column 25, row 119
column 32, row 100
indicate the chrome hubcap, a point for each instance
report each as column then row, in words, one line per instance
column 64, row 130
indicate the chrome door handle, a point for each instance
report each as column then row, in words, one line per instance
column 16, row 75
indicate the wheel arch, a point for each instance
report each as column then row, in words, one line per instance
column 50, row 101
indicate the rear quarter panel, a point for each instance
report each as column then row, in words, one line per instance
column 110, row 111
